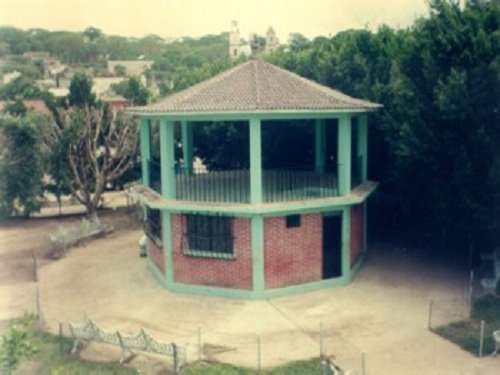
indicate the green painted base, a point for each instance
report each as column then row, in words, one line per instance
column 248, row 294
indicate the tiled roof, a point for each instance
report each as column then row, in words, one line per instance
column 255, row 86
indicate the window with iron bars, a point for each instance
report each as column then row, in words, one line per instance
column 210, row 236
column 152, row 225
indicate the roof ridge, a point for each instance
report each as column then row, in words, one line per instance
column 256, row 85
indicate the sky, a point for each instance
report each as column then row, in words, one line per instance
column 194, row 18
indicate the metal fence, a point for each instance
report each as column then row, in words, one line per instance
column 234, row 185
column 456, row 318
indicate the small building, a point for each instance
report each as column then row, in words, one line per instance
column 262, row 228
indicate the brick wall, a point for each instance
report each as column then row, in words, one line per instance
column 357, row 229
column 156, row 255
column 292, row 255
column 227, row 273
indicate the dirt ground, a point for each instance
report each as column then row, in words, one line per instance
column 383, row 313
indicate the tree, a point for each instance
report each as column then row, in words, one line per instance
column 120, row 70
column 99, row 146
column 16, row 108
column 92, row 33
column 21, row 165
column 20, row 88
column 133, row 90
column 80, row 91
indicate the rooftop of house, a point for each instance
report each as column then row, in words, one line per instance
column 256, row 86
column 132, row 67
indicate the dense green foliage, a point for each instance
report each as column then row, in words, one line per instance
column 80, row 91
column 133, row 90
column 435, row 145
column 17, row 344
column 21, row 165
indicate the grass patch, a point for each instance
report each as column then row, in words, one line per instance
column 313, row 366
column 48, row 360
column 466, row 333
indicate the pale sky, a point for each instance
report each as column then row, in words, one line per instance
column 175, row 18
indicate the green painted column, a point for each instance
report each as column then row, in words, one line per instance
column 257, row 242
column 167, row 159
column 255, row 161
column 346, row 242
column 344, row 154
column 168, row 246
column 363, row 144
column 319, row 145
column 145, row 139
column 187, row 146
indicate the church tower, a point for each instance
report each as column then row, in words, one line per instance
column 271, row 40
column 234, row 41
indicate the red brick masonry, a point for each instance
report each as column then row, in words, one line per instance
column 357, row 229
column 292, row 255
column 227, row 273
column 156, row 255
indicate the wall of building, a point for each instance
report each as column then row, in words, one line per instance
column 357, row 231
column 227, row 273
column 292, row 255
column 156, row 255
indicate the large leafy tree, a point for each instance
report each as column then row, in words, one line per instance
column 21, row 165
column 99, row 146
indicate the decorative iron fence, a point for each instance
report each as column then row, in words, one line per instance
column 234, row 185
column 90, row 331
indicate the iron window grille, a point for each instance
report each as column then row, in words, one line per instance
column 209, row 236
column 152, row 225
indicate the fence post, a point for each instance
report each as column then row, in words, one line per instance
column 61, row 349
column 38, row 306
column 481, row 339
column 35, row 266
column 199, row 343
column 363, row 363
column 321, row 352
column 258, row 353
column 429, row 319
column 174, row 352
column 471, row 292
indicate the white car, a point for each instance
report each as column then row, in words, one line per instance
column 490, row 268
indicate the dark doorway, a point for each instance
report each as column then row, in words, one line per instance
column 332, row 246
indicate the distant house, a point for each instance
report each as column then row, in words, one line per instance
column 9, row 77
column 36, row 55
column 133, row 68
column 59, row 92
column 116, row 102
column 103, row 84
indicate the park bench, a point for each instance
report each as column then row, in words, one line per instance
column 89, row 331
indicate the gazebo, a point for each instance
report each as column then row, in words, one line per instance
column 263, row 228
